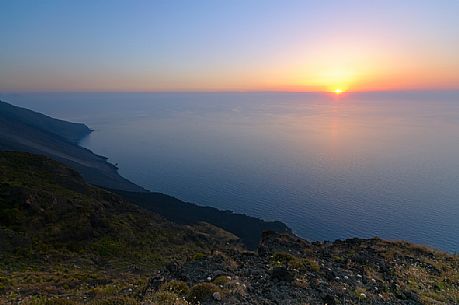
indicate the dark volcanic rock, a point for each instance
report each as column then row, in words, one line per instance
column 282, row 274
column 360, row 271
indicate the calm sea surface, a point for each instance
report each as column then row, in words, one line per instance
column 330, row 167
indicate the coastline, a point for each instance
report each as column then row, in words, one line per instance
column 61, row 143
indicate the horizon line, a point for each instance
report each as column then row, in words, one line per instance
column 227, row 91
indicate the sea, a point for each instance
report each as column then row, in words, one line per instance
column 330, row 166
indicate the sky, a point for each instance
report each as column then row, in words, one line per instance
column 234, row 45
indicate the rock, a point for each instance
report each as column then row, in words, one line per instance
column 410, row 295
column 282, row 274
column 155, row 282
column 218, row 273
column 329, row 300
column 217, row 296
column 173, row 267
column 252, row 279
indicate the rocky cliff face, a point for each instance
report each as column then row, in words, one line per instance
column 63, row 241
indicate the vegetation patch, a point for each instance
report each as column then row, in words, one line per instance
column 177, row 287
column 202, row 292
column 166, row 298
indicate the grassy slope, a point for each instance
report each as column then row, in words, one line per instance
column 57, row 229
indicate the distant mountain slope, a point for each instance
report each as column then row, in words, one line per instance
column 72, row 132
column 249, row 229
column 24, row 130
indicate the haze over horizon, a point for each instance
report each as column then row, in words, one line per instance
column 230, row 46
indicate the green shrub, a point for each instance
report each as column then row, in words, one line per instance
column 39, row 300
column 198, row 256
column 104, row 291
column 201, row 292
column 107, row 247
column 166, row 298
column 312, row 264
column 221, row 280
column 338, row 259
column 115, row 301
column 360, row 293
column 284, row 258
column 177, row 287
column 4, row 283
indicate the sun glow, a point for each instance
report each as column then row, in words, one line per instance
column 338, row 91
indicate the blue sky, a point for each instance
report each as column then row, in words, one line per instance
column 228, row 45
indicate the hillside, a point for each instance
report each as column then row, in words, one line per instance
column 52, row 223
column 25, row 130
column 66, row 242
column 47, row 208
column 72, row 132
column 248, row 229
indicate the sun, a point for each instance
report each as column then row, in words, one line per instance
column 338, row 91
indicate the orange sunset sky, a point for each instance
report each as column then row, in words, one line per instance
column 229, row 45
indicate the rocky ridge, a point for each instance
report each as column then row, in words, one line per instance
column 289, row 270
